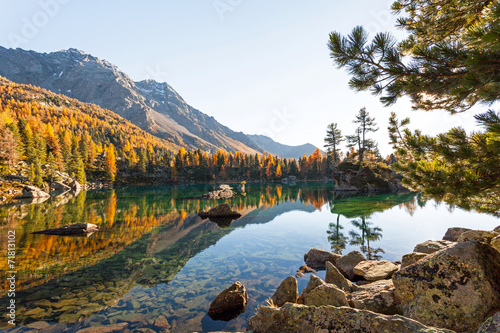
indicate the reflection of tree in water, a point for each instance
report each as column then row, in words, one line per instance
column 368, row 233
column 337, row 239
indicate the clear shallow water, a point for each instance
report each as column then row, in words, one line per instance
column 154, row 256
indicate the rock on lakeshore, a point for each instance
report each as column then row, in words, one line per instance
column 334, row 276
column 325, row 294
column 293, row 318
column 456, row 287
column 224, row 192
column 346, row 263
column 71, row 229
column 479, row 235
column 287, row 292
column 317, row 258
column 373, row 270
column 452, row 234
column 32, row 192
column 431, row 246
column 229, row 303
column 412, row 258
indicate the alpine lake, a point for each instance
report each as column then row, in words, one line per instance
column 156, row 265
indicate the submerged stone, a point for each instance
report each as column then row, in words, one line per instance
column 229, row 303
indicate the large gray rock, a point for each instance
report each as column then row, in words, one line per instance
column 382, row 301
column 32, row 192
column 478, row 235
column 452, row 234
column 293, row 318
column 431, row 246
column 495, row 243
column 373, row 270
column 287, row 292
column 491, row 325
column 412, row 258
column 346, row 263
column 317, row 258
column 219, row 194
column 454, row 288
column 334, row 276
column 59, row 186
column 326, row 294
column 71, row 229
column 314, row 282
column 229, row 303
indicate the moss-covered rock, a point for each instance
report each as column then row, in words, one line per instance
column 292, row 318
column 287, row 292
column 454, row 288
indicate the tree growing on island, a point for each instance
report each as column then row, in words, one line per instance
column 366, row 124
column 332, row 141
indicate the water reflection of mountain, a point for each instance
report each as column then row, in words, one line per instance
column 145, row 240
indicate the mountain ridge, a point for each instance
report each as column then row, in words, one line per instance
column 282, row 150
column 153, row 106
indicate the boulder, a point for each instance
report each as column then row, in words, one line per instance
column 373, row 270
column 287, row 292
column 455, row 287
column 223, row 210
column 431, row 246
column 495, row 243
column 224, row 192
column 326, row 294
column 314, row 282
column 71, row 229
column 229, row 303
column 293, row 318
column 32, row 192
column 59, row 186
column 452, row 234
column 381, row 301
column 491, row 325
column 478, row 235
column 412, row 258
column 75, row 185
column 346, row 263
column 317, row 258
column 497, row 229
column 335, row 277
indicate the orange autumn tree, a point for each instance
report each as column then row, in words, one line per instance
column 110, row 165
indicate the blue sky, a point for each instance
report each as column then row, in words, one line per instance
column 261, row 67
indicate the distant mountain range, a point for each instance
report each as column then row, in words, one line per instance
column 153, row 106
column 276, row 148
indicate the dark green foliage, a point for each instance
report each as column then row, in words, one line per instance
column 449, row 60
column 332, row 141
column 456, row 167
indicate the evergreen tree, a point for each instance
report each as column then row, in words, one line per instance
column 332, row 140
column 458, row 168
column 449, row 60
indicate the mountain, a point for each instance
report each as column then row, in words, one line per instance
column 285, row 151
column 155, row 107
column 40, row 108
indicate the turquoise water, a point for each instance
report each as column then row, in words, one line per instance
column 155, row 257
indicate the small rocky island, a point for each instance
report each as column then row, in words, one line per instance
column 450, row 285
